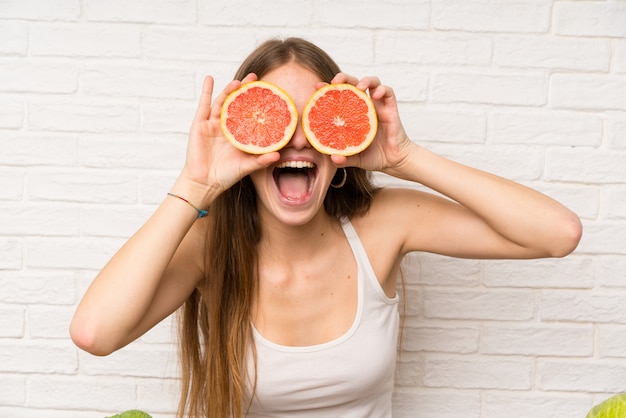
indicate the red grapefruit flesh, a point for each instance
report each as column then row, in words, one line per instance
column 258, row 118
column 340, row 119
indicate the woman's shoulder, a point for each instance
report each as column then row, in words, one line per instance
column 389, row 211
column 390, row 202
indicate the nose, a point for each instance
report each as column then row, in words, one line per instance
column 298, row 140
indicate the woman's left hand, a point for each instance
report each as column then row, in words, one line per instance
column 391, row 145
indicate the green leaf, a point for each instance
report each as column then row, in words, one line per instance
column 614, row 407
column 133, row 413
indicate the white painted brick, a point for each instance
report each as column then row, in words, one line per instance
column 571, row 272
column 11, row 320
column 10, row 253
column 431, row 125
column 426, row 48
column 19, row 356
column 615, row 206
column 546, row 128
column 14, row 40
column 526, row 89
column 611, row 340
column 17, row 412
column 587, row 18
column 49, row 322
column 163, row 152
column 616, row 133
column 611, row 271
column 429, row 403
column 82, row 186
column 578, row 91
column 11, row 112
column 80, row 393
column 38, row 10
column 113, row 221
column 408, row 85
column 80, row 40
column 12, row 181
column 603, row 238
column 153, row 187
column 158, row 395
column 532, row 405
column 12, row 391
column 243, row 13
column 345, row 47
column 70, row 253
column 354, row 14
column 37, row 288
column 83, row 118
column 600, row 307
column 471, row 372
column 492, row 16
column 441, row 339
column 145, row 11
column 409, row 370
column 555, row 53
column 38, row 219
column 583, row 376
column 167, row 117
column 585, row 165
column 18, row 76
column 537, row 340
column 619, row 56
column 139, row 82
column 192, row 43
column 423, row 268
column 18, row 149
column 520, row 163
column 479, row 304
column 134, row 360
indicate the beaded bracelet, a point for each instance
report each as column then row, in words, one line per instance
column 201, row 212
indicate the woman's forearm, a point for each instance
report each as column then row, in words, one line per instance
column 122, row 294
column 518, row 213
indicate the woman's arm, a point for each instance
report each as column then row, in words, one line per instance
column 160, row 265
column 153, row 273
column 485, row 216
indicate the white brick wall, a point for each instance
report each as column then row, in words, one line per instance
column 95, row 102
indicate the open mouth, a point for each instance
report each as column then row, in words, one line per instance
column 295, row 179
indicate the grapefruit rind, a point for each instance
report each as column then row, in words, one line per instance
column 280, row 102
column 339, row 119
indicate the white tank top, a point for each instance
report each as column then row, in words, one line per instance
column 351, row 376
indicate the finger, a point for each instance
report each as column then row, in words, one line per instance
column 249, row 77
column 381, row 93
column 368, row 83
column 216, row 109
column 344, row 78
column 340, row 160
column 204, row 106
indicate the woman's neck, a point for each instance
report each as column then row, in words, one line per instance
column 293, row 243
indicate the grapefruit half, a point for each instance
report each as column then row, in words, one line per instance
column 339, row 119
column 258, row 117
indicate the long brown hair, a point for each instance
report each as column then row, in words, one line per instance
column 216, row 340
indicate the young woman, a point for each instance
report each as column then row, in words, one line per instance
column 287, row 287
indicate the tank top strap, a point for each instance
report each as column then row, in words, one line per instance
column 371, row 280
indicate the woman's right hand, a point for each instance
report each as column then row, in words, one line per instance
column 212, row 162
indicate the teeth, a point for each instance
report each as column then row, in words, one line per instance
column 296, row 164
